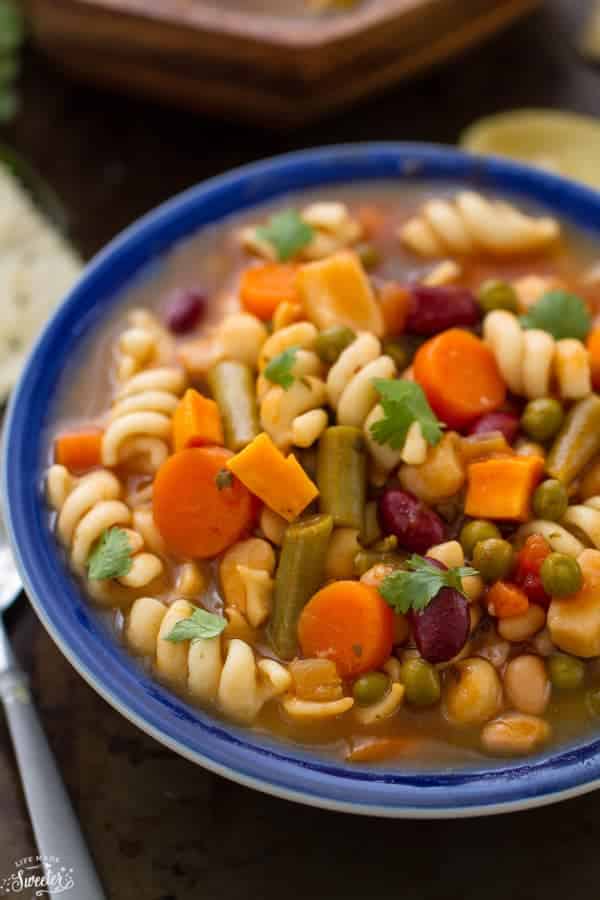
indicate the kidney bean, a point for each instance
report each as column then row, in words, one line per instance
column 184, row 309
column 415, row 525
column 506, row 423
column 533, row 587
column 434, row 309
column 442, row 628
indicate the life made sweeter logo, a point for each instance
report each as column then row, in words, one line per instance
column 38, row 876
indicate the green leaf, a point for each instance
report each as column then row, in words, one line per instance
column 9, row 104
column 403, row 403
column 279, row 369
column 9, row 70
column 12, row 27
column 287, row 233
column 416, row 588
column 110, row 556
column 561, row 314
column 201, row 624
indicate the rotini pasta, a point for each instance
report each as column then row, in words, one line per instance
column 470, row 223
column 143, row 343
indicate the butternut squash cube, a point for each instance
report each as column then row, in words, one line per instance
column 502, row 488
column 336, row 291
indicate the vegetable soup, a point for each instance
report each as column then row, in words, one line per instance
column 333, row 471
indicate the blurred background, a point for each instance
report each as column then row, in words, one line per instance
column 119, row 104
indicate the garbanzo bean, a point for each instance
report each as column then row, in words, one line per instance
column 472, row 692
column 521, row 628
column 514, row 734
column 527, row 685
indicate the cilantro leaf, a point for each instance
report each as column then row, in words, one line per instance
column 279, row 369
column 403, row 403
column 416, row 586
column 110, row 556
column 561, row 314
column 11, row 26
column 287, row 233
column 201, row 624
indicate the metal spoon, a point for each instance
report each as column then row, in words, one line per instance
column 55, row 825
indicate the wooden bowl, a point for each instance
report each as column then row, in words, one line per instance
column 245, row 59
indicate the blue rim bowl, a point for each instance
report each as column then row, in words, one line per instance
column 246, row 757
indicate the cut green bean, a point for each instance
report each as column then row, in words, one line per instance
column 232, row 386
column 342, row 475
column 371, row 529
column 300, row 574
column 577, row 441
column 366, row 559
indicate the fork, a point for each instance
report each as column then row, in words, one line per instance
column 55, row 825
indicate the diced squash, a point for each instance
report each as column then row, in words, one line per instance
column 196, row 422
column 278, row 480
column 502, row 488
column 574, row 622
column 336, row 291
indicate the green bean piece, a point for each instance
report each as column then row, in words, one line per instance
column 307, row 457
column 331, row 342
column 300, row 574
column 495, row 294
column 561, row 575
column 342, row 475
column 232, row 387
column 542, row 418
column 567, row 673
column 493, row 558
column 577, row 441
column 371, row 530
column 550, row 500
column 370, row 688
column 366, row 559
column 474, row 532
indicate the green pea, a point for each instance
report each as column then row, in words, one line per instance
column 493, row 558
column 592, row 700
column 494, row 294
column 560, row 575
column 542, row 418
column 331, row 342
column 399, row 353
column 421, row 682
column 370, row 688
column 566, row 672
column 474, row 532
column 369, row 256
column 550, row 501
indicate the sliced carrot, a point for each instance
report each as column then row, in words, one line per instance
column 263, row 288
column 395, row 303
column 199, row 508
column 593, row 346
column 79, row 450
column 506, row 600
column 378, row 749
column 460, row 377
column 502, row 487
column 349, row 623
column 196, row 422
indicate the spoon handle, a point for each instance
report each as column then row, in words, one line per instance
column 55, row 826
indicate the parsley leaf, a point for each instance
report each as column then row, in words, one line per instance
column 287, row 233
column 416, row 588
column 561, row 314
column 279, row 369
column 110, row 556
column 403, row 403
column 201, row 624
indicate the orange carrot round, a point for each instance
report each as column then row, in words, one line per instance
column 460, row 377
column 199, row 507
column 593, row 345
column 79, row 450
column 263, row 288
column 349, row 623
column 505, row 600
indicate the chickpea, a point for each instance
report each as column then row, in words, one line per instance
column 521, row 628
column 527, row 685
column 514, row 734
column 472, row 692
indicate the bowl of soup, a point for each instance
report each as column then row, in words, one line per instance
column 303, row 477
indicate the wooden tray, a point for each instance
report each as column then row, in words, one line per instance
column 232, row 59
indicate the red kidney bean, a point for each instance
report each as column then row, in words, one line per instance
column 533, row 587
column 434, row 309
column 505, row 422
column 442, row 628
column 415, row 525
column 184, row 309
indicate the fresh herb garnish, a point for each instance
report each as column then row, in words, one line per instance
column 561, row 314
column 416, row 588
column 224, row 479
column 287, row 233
column 110, row 556
column 279, row 369
column 403, row 403
column 11, row 38
column 201, row 624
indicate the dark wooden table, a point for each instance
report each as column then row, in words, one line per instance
column 159, row 827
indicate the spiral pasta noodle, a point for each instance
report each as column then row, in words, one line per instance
column 86, row 507
column 352, row 395
column 231, row 677
column 471, row 223
column 143, row 343
column 531, row 360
